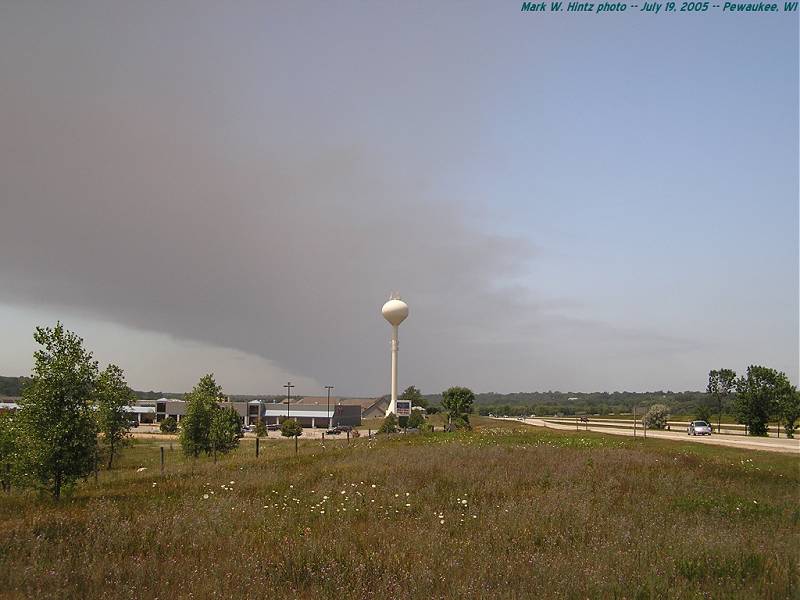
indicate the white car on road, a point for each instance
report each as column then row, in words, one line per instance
column 698, row 428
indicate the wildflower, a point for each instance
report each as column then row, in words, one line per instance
column 441, row 521
column 205, row 496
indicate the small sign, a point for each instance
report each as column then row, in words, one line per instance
column 403, row 408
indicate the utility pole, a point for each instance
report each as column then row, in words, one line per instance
column 288, row 387
column 329, row 388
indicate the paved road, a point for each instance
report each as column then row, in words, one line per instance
column 769, row 444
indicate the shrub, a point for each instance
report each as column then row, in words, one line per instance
column 291, row 428
column 703, row 413
column 389, row 424
column 168, row 425
column 416, row 419
column 261, row 429
column 656, row 417
column 226, row 430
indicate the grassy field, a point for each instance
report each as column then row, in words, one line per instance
column 506, row 511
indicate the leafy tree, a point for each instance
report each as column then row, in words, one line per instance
column 291, row 428
column 389, row 424
column 703, row 413
column 9, row 459
column 413, row 395
column 656, row 417
column 458, row 402
column 789, row 409
column 226, row 430
column 58, row 429
column 721, row 383
column 261, row 429
column 432, row 410
column 201, row 403
column 416, row 419
column 113, row 396
column 757, row 396
column 168, row 425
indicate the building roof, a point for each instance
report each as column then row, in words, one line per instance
column 140, row 410
column 300, row 411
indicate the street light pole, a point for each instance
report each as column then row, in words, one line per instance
column 329, row 388
column 288, row 387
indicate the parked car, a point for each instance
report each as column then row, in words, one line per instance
column 698, row 428
column 133, row 423
column 273, row 427
column 334, row 431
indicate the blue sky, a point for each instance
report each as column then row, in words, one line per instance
column 571, row 201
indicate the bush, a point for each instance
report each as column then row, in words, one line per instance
column 291, row 428
column 416, row 419
column 226, row 430
column 703, row 413
column 168, row 425
column 389, row 424
column 656, row 417
column 261, row 429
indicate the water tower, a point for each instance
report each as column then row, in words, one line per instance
column 395, row 311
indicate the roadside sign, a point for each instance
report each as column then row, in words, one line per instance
column 403, row 408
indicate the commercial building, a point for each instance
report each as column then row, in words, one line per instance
column 253, row 411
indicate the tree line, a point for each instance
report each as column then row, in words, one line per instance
column 72, row 416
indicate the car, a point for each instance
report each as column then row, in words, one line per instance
column 133, row 423
column 343, row 428
column 273, row 427
column 698, row 428
column 334, row 431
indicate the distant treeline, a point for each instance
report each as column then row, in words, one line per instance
column 579, row 403
column 519, row 403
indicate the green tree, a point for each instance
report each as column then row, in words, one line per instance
column 416, row 419
column 201, row 403
column 789, row 409
column 703, row 413
column 113, row 396
column 291, row 428
column 656, row 417
column 757, row 396
column 58, row 429
column 261, row 429
column 721, row 383
column 458, row 402
column 9, row 459
column 413, row 395
column 226, row 430
column 389, row 424
column 168, row 425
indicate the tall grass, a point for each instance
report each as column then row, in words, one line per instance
column 506, row 511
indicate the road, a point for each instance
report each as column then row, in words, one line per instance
column 751, row 443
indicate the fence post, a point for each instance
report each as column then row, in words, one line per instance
column 348, row 437
column 257, row 441
column 295, row 444
column 162, row 461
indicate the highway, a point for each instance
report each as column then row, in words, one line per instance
column 735, row 441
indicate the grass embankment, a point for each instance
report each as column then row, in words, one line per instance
column 507, row 511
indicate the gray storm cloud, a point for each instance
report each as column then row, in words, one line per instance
column 139, row 206
column 262, row 185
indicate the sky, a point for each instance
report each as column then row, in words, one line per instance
column 573, row 202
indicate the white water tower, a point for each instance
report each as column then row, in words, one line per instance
column 395, row 311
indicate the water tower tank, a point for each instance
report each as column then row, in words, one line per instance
column 395, row 311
